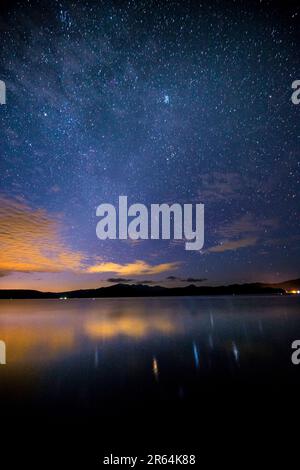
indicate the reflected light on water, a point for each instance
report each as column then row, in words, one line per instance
column 35, row 344
column 37, row 332
column 235, row 351
column 196, row 354
column 128, row 326
column 155, row 368
column 96, row 358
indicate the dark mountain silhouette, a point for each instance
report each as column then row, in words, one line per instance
column 141, row 290
column 294, row 284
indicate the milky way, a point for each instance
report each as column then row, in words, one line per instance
column 182, row 102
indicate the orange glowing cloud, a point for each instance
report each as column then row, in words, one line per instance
column 30, row 240
column 137, row 268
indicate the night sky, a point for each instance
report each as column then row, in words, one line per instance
column 180, row 101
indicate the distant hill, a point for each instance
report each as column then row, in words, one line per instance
column 141, row 290
column 294, row 284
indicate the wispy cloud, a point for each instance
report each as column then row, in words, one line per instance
column 117, row 280
column 189, row 279
column 246, row 225
column 228, row 245
column 30, row 240
column 218, row 186
column 123, row 280
column 136, row 268
column 246, row 231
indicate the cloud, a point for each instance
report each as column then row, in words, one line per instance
column 218, row 186
column 189, row 279
column 137, row 268
column 243, row 232
column 3, row 274
column 247, row 225
column 30, row 240
column 118, row 279
column 229, row 245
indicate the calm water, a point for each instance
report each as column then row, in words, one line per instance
column 106, row 363
column 111, row 354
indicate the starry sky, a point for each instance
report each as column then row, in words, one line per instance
column 174, row 101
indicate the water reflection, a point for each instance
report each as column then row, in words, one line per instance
column 96, row 358
column 130, row 325
column 131, row 333
column 40, row 331
column 155, row 368
column 196, row 354
column 235, row 351
column 35, row 343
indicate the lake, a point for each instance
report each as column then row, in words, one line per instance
column 117, row 360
